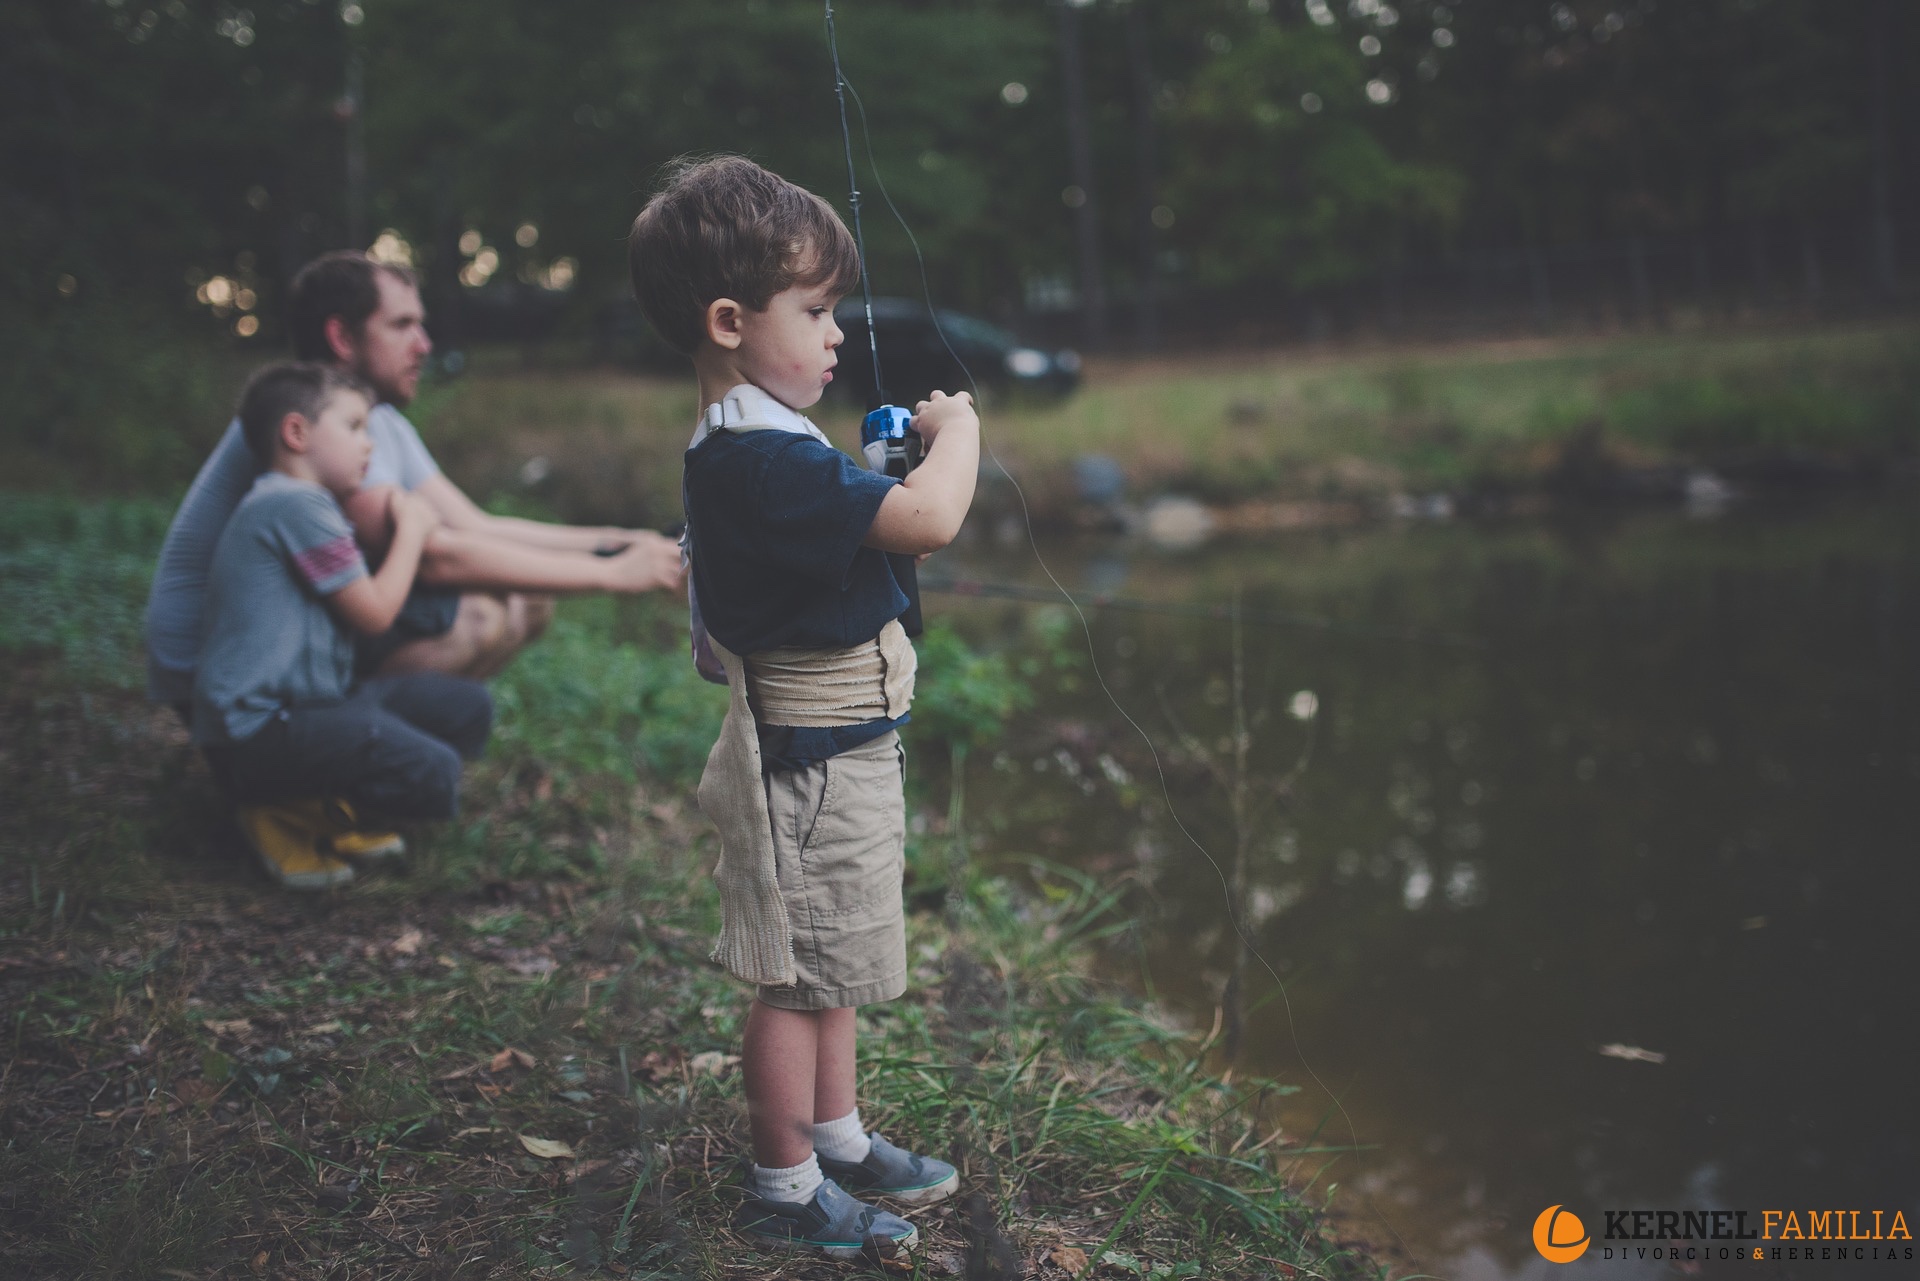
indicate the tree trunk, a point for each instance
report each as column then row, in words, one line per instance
column 1086, row 221
column 1146, row 314
column 1885, row 269
column 356, row 191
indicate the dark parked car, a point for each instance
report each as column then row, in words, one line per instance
column 915, row 361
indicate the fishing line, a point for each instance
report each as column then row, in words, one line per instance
column 1198, row 609
column 1086, row 628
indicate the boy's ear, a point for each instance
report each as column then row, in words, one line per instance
column 723, row 323
column 294, row 433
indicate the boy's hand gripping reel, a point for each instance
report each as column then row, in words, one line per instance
column 893, row 448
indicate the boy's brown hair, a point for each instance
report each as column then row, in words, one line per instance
column 303, row 387
column 725, row 227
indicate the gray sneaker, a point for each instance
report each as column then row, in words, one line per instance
column 833, row 1223
column 888, row 1171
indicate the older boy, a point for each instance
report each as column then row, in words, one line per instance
column 740, row 269
column 275, row 708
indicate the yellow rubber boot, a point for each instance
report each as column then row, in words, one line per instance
column 287, row 839
column 347, row 839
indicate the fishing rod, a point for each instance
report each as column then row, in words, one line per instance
column 887, row 438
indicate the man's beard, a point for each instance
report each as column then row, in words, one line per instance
column 389, row 392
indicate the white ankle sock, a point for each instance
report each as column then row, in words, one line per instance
column 796, row 1183
column 842, row 1140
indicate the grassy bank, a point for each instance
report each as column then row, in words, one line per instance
column 1334, row 424
column 514, row 1060
column 1299, row 424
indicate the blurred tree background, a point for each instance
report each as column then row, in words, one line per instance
column 1122, row 173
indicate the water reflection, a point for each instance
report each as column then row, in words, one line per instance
column 1663, row 803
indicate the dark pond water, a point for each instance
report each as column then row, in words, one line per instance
column 1652, row 784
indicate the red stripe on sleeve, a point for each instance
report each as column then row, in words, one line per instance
column 327, row 560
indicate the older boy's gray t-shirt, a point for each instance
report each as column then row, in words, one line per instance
column 270, row 640
column 180, row 579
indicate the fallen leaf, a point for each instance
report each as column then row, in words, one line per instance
column 546, row 1149
column 887, row 1253
column 408, row 943
column 228, row 1027
column 322, row 1029
column 1070, row 1258
column 259, row 1262
column 583, row 1169
column 508, row 1057
column 475, row 1129
column 533, row 967
column 1632, row 1053
column 657, row 1065
column 194, row 1092
column 712, row 1061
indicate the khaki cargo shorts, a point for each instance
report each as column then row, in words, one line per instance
column 839, row 849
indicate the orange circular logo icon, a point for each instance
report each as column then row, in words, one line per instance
column 1559, row 1235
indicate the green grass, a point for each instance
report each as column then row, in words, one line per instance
column 206, row 1077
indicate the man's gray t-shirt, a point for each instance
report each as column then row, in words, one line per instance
column 270, row 640
column 180, row 579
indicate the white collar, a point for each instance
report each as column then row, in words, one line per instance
column 747, row 408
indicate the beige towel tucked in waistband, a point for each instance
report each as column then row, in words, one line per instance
column 822, row 687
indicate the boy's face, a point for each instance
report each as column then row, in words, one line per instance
column 338, row 447
column 787, row 350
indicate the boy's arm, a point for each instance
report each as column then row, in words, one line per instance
column 369, row 604
column 924, row 512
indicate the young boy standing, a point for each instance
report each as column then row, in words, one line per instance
column 275, row 709
column 740, row 269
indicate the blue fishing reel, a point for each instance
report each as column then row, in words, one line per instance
column 891, row 445
column 893, row 448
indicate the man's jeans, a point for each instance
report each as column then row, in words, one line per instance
column 392, row 749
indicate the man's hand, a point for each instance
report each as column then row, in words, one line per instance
column 935, row 415
column 651, row 562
